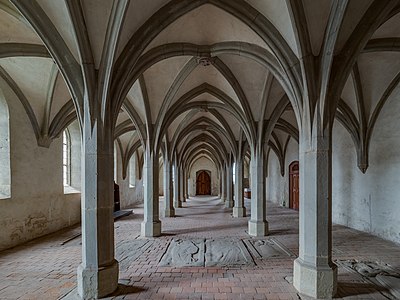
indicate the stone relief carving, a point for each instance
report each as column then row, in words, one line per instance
column 371, row 269
column 267, row 248
column 227, row 252
column 182, row 253
column 378, row 273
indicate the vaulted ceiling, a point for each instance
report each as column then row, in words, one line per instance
column 199, row 74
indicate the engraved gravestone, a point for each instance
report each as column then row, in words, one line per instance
column 227, row 252
column 183, row 253
column 267, row 248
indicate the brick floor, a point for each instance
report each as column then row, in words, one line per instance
column 46, row 269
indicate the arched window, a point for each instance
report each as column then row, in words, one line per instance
column 5, row 169
column 71, row 147
column 132, row 171
column 115, row 163
column 66, row 158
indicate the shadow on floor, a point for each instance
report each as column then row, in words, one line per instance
column 349, row 289
column 281, row 231
column 167, row 234
column 200, row 229
column 124, row 289
column 202, row 213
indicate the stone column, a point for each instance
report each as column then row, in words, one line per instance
column 315, row 274
column 177, row 199
column 181, row 185
column 169, row 210
column 184, row 185
column 98, row 273
column 151, row 226
column 220, row 185
column 258, row 225
column 239, row 210
column 223, row 184
column 229, row 186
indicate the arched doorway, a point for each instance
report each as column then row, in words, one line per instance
column 294, row 185
column 203, row 183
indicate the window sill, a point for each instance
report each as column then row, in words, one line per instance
column 5, row 193
column 70, row 190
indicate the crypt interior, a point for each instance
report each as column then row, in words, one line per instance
column 199, row 149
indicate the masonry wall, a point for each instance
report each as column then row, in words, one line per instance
column 37, row 205
column 277, row 189
column 369, row 202
column 203, row 164
column 130, row 194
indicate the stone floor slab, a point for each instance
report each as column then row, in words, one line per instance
column 227, row 252
column 184, row 253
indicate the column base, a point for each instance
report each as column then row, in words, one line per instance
column 229, row 204
column 97, row 283
column 222, row 200
column 169, row 213
column 151, row 229
column 239, row 212
column 316, row 282
column 178, row 205
column 258, row 228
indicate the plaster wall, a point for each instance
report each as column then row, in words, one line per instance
column 37, row 205
column 129, row 195
column 203, row 163
column 369, row 202
column 277, row 190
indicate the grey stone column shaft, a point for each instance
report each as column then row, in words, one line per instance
column 151, row 225
column 169, row 210
column 239, row 210
column 177, row 199
column 184, row 185
column 98, row 273
column 223, row 184
column 314, row 272
column 181, row 185
column 229, row 186
column 258, row 225
column 219, row 185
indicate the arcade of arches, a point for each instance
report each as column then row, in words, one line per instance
column 173, row 99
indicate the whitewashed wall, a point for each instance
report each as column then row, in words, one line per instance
column 370, row 202
column 130, row 194
column 203, row 164
column 277, row 190
column 38, row 205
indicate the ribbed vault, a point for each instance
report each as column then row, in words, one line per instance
column 174, row 81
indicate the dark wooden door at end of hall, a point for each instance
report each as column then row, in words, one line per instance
column 294, row 185
column 203, row 184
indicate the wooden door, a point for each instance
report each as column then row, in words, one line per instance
column 203, row 184
column 294, row 185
